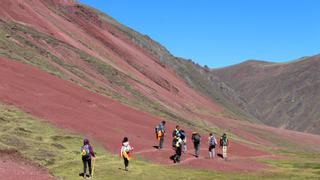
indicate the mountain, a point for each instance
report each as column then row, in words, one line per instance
column 68, row 71
column 89, row 48
column 282, row 95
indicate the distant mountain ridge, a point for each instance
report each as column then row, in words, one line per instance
column 283, row 95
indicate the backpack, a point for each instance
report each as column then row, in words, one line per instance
column 174, row 142
column 213, row 141
column 196, row 138
column 175, row 133
column 157, row 128
column 86, row 151
column 182, row 134
column 223, row 141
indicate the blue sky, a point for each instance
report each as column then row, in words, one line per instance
column 219, row 33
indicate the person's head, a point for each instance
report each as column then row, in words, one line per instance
column 163, row 122
column 210, row 134
column 125, row 139
column 177, row 127
column 224, row 135
column 86, row 141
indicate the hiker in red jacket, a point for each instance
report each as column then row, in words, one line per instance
column 87, row 154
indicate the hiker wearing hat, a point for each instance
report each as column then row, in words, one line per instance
column 196, row 139
column 87, row 154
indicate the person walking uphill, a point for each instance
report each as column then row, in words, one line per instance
column 224, row 143
column 160, row 133
column 87, row 154
column 212, row 141
column 126, row 149
column 196, row 139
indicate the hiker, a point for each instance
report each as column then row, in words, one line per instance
column 160, row 133
column 87, row 154
column 224, row 142
column 175, row 135
column 196, row 138
column 212, row 142
column 183, row 136
column 126, row 149
column 178, row 149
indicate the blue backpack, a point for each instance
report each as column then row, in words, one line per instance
column 212, row 141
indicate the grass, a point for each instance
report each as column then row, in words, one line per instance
column 58, row 151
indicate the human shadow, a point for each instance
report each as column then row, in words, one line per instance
column 81, row 174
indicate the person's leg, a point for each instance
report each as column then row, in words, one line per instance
column 198, row 149
column 213, row 151
column 161, row 142
column 90, row 167
column 175, row 156
column 126, row 163
column 224, row 152
column 179, row 151
column 84, row 161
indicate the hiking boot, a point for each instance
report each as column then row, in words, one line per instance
column 126, row 169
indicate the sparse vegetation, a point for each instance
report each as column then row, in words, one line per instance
column 58, row 151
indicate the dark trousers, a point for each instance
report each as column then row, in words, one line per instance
column 161, row 142
column 197, row 148
column 177, row 156
column 126, row 162
column 86, row 162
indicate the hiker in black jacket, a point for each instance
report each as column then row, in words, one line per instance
column 196, row 139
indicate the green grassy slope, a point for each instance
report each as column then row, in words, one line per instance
column 58, row 151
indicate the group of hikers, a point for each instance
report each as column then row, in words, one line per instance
column 179, row 144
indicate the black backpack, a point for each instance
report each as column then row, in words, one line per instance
column 182, row 134
column 196, row 138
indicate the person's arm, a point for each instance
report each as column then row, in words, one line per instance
column 91, row 151
column 121, row 151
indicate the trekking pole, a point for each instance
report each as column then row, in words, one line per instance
column 94, row 162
